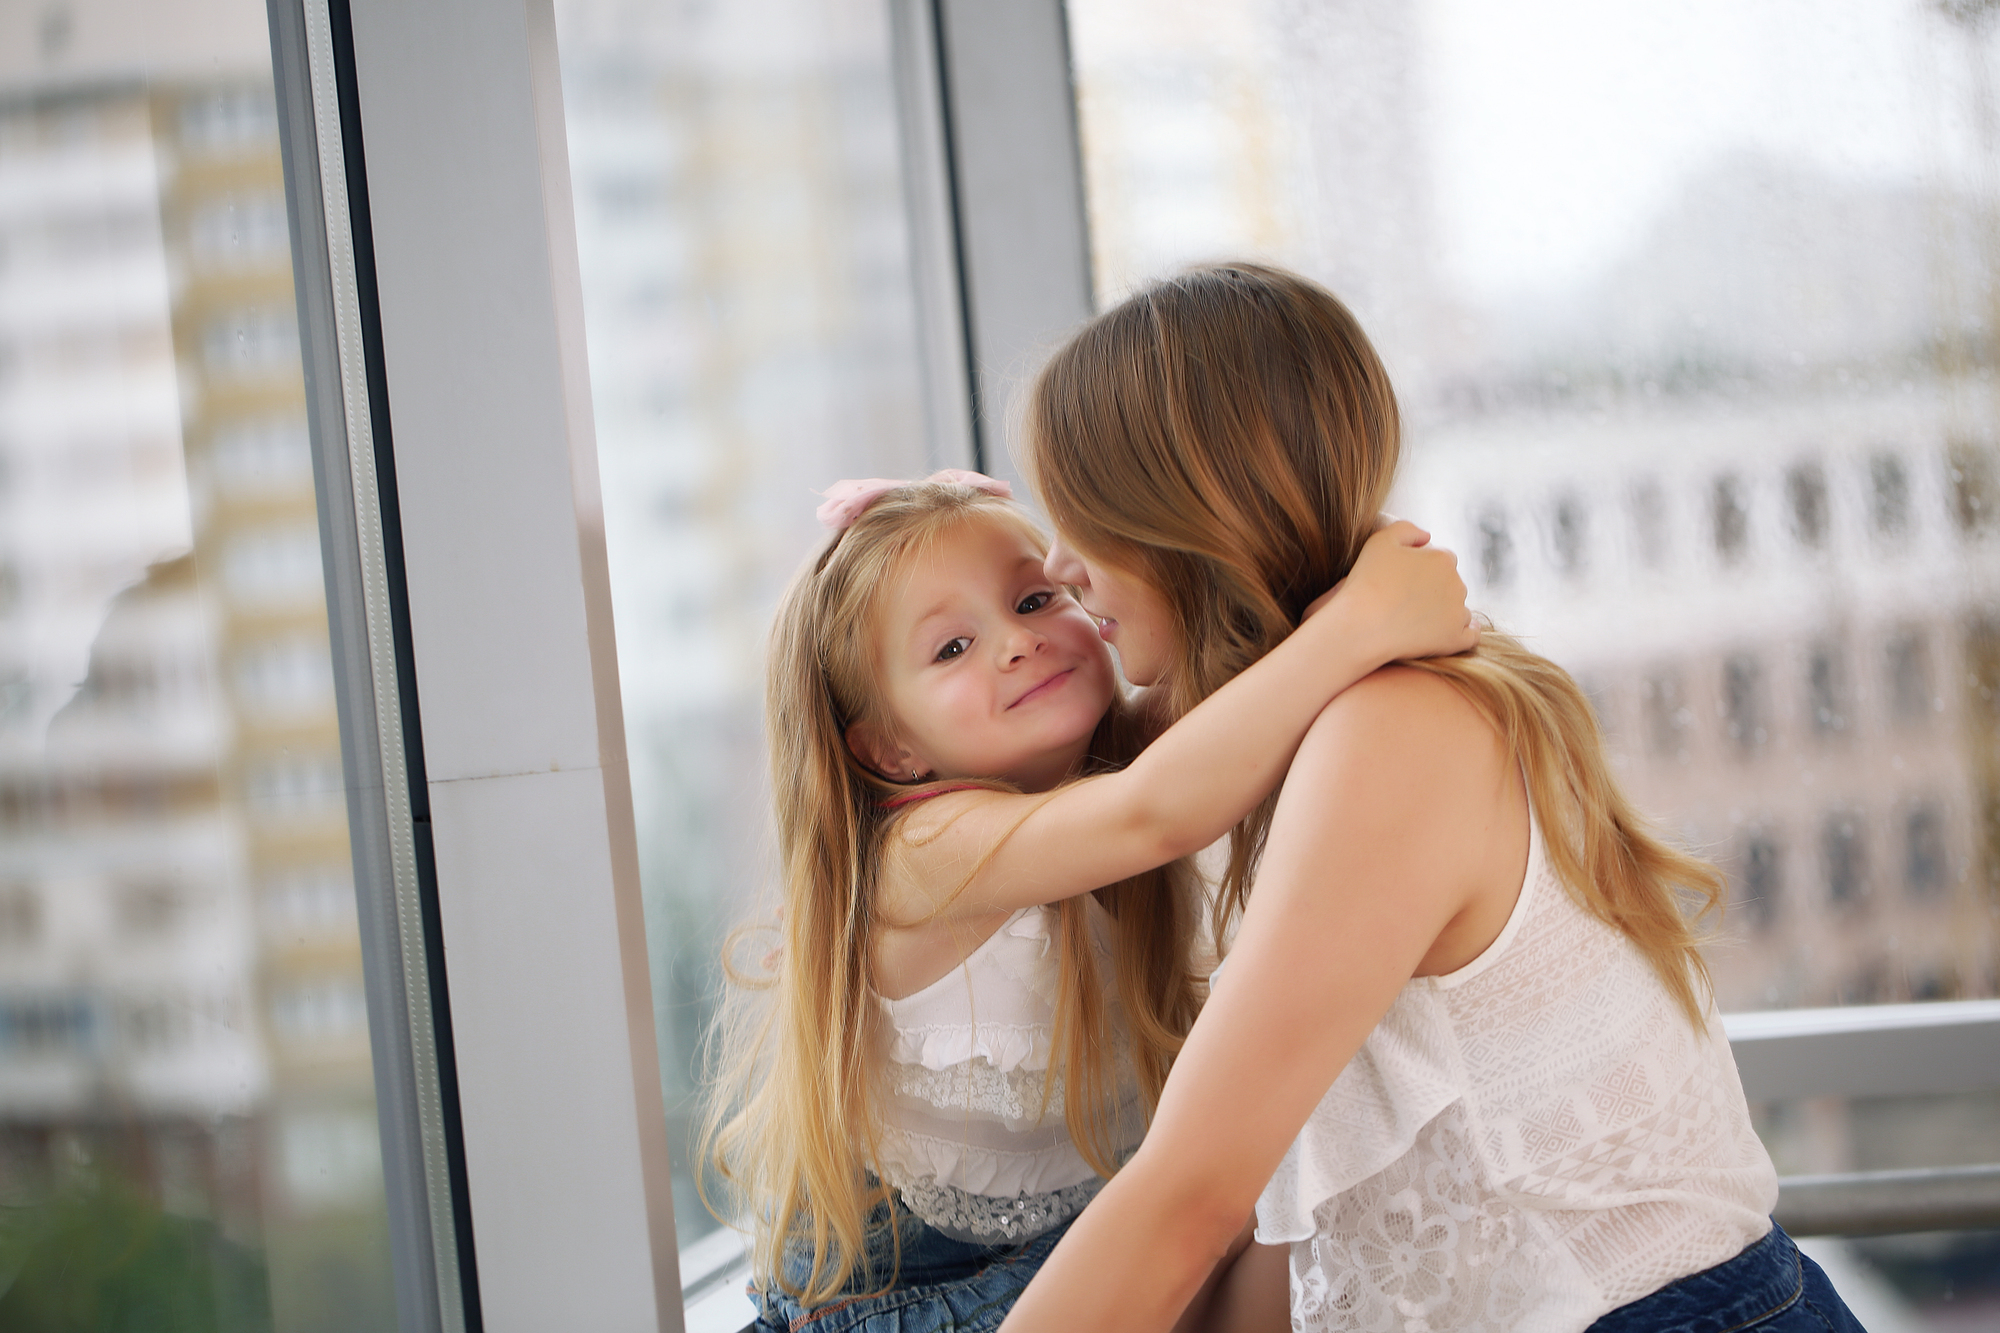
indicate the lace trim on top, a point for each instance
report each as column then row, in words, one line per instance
column 986, row 1219
column 1011, row 1096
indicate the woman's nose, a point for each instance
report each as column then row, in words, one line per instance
column 1062, row 566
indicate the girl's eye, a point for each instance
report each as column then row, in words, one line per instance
column 956, row 648
column 1033, row 602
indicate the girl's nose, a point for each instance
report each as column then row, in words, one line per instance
column 1062, row 566
column 1020, row 643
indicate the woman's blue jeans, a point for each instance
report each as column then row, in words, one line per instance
column 942, row 1285
column 1769, row 1288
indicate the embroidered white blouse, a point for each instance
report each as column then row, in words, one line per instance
column 965, row 1138
column 1528, row 1142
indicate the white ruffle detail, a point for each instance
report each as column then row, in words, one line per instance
column 1004, row 1046
column 1014, row 1097
column 908, row 1157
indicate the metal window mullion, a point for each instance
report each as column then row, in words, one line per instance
column 409, row 1092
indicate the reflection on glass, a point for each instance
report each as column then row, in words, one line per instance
column 751, row 325
column 187, row 1116
column 1691, row 310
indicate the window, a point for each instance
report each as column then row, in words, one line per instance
column 1596, row 292
column 1743, row 702
column 1889, row 495
column 1668, row 718
column 168, row 734
column 1826, row 689
column 1568, row 534
column 1729, row 516
column 1649, row 522
column 750, row 304
column 1924, row 854
column 1805, row 491
column 1844, row 855
column 1763, row 876
column 1496, row 549
column 1910, row 698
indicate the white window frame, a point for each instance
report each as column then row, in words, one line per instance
column 494, row 845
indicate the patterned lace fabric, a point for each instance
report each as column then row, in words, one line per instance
column 973, row 1134
column 1529, row 1142
column 987, row 1219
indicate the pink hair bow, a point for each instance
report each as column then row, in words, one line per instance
column 846, row 501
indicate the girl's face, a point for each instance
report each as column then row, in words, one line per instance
column 1132, row 615
column 989, row 669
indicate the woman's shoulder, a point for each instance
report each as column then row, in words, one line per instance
column 1406, row 729
column 1400, row 702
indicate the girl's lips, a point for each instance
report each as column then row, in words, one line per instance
column 1051, row 683
column 1105, row 627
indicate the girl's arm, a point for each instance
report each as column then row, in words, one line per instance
column 1401, row 817
column 1203, row 774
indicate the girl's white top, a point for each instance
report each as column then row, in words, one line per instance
column 966, row 1139
column 1528, row 1142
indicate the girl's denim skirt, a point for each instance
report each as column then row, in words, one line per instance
column 942, row 1286
column 1769, row 1288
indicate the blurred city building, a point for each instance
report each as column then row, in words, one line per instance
column 181, row 1007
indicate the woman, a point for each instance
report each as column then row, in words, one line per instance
column 1463, row 1057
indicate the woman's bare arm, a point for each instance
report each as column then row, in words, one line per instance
column 1400, row 815
column 1200, row 777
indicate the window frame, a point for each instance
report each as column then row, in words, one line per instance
column 441, row 317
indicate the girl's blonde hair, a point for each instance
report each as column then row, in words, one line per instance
column 794, row 1125
column 1229, row 436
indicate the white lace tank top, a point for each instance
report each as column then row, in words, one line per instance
column 966, row 1141
column 1526, row 1143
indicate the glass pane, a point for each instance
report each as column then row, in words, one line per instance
column 187, row 1114
column 1691, row 310
column 751, row 322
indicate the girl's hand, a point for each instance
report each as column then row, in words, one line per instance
column 1406, row 596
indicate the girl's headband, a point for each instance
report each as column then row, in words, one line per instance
column 846, row 501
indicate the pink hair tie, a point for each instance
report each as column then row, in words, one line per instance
column 845, row 501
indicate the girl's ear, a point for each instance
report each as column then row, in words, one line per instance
column 880, row 751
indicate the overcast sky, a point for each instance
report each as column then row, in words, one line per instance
column 1558, row 126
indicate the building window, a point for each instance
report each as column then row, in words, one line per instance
column 1729, row 512
column 1668, row 718
column 20, row 915
column 1763, row 869
column 1568, row 531
column 1910, row 696
column 1969, row 467
column 1888, row 495
column 1743, row 701
column 1842, row 849
column 1649, row 522
column 1805, row 491
column 150, row 909
column 1924, row 850
column 1826, row 690
column 1496, row 548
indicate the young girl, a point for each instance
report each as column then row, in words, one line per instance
column 1463, row 1058
column 963, row 1039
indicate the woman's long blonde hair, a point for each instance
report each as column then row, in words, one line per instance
column 794, row 1127
column 1229, row 436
